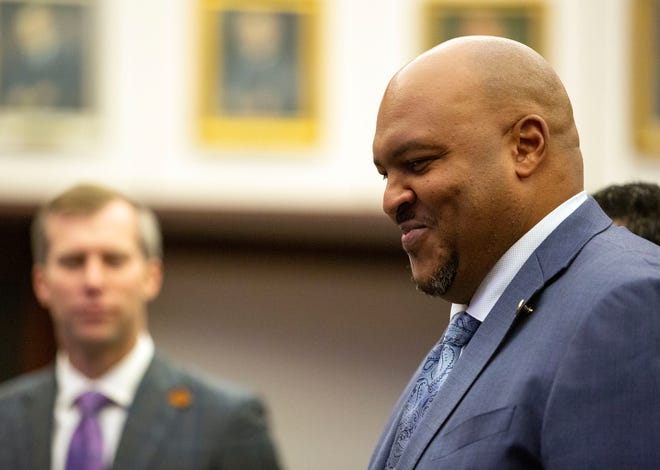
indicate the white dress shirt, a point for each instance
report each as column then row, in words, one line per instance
column 119, row 384
column 506, row 268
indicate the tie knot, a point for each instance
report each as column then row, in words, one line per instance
column 460, row 329
column 90, row 403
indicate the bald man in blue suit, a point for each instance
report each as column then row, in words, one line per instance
column 478, row 145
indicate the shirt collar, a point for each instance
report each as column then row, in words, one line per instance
column 119, row 384
column 499, row 277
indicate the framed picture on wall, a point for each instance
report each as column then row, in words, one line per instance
column 46, row 81
column 646, row 76
column 259, row 72
column 521, row 20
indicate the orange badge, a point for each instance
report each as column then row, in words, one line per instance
column 180, row 398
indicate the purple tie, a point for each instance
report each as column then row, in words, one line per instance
column 86, row 448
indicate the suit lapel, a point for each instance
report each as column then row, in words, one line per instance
column 552, row 256
column 149, row 418
column 473, row 360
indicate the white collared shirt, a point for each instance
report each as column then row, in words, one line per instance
column 119, row 384
column 506, row 268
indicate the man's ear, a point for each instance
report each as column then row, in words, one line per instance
column 153, row 280
column 530, row 134
column 39, row 285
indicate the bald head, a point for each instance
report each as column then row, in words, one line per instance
column 508, row 78
column 477, row 140
column 495, row 80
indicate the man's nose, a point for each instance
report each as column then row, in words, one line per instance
column 397, row 193
column 94, row 273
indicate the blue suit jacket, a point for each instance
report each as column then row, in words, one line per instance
column 176, row 422
column 575, row 383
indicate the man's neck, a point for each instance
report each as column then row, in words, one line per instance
column 95, row 360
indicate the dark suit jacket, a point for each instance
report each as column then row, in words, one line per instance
column 176, row 422
column 573, row 384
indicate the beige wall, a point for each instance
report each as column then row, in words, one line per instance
column 328, row 338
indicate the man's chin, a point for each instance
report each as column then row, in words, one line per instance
column 95, row 337
column 430, row 288
column 437, row 284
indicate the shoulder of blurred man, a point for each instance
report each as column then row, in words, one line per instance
column 26, row 415
column 25, row 384
column 219, row 422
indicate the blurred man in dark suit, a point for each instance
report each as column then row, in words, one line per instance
column 111, row 400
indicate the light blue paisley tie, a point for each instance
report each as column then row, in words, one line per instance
column 435, row 369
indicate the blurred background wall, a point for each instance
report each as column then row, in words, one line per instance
column 281, row 272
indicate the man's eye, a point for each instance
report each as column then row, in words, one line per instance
column 114, row 259
column 71, row 262
column 419, row 164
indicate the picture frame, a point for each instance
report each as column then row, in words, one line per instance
column 645, row 80
column 523, row 21
column 259, row 72
column 47, row 78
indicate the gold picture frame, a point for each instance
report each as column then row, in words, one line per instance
column 523, row 21
column 259, row 72
column 47, row 80
column 646, row 76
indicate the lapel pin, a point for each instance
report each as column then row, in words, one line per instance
column 179, row 398
column 523, row 307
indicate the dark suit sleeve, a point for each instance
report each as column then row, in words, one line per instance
column 603, row 410
column 246, row 444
